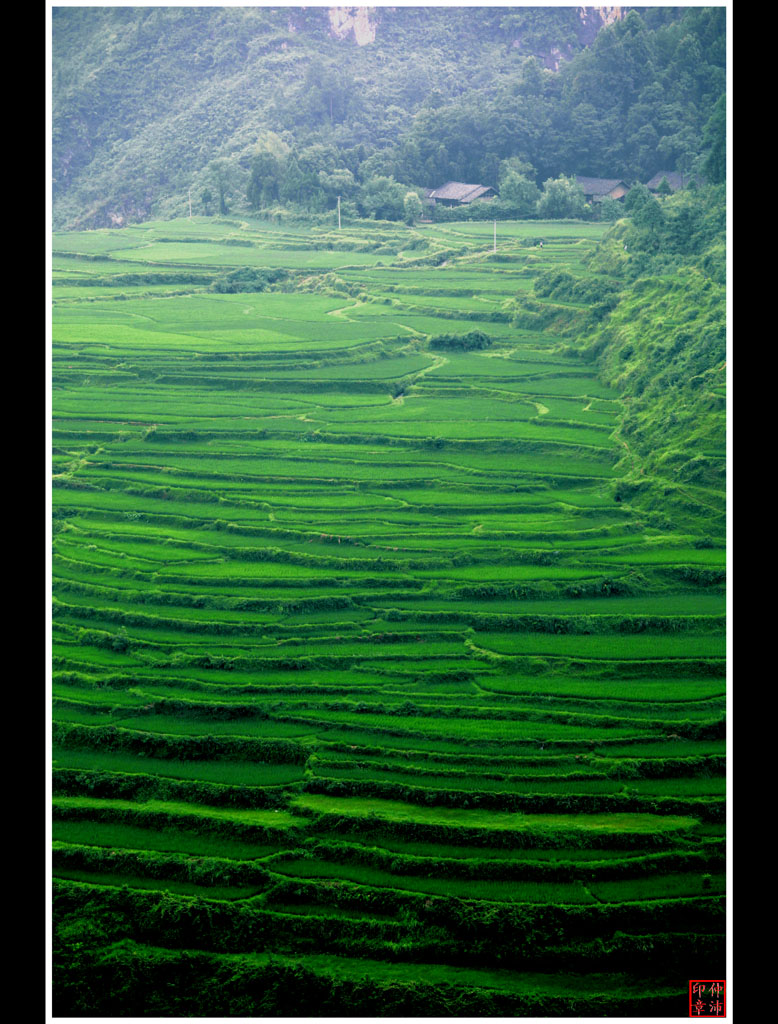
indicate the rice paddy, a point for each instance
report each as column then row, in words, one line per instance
column 353, row 631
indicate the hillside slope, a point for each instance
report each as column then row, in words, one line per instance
column 662, row 345
column 149, row 103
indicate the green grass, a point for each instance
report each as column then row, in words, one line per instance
column 503, row 892
column 288, row 513
column 274, row 819
column 417, row 848
column 172, row 726
column 226, row 772
column 466, row 729
column 394, row 810
column 213, row 892
column 669, row 886
column 116, row 835
column 610, row 646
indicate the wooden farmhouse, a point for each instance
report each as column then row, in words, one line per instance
column 457, row 193
column 597, row 189
column 675, row 180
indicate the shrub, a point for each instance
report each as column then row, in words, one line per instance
column 461, row 342
column 248, row 279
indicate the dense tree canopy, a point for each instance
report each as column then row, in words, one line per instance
column 561, row 197
column 150, row 102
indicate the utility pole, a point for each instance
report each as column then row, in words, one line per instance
column 190, row 204
column 495, row 236
column 338, row 213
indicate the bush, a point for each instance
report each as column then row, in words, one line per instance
column 248, row 279
column 461, row 342
column 561, row 285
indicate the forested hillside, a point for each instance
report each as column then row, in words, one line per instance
column 254, row 106
column 662, row 345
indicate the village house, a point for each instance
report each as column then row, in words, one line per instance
column 675, row 179
column 457, row 193
column 597, row 189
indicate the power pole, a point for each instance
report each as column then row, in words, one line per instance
column 190, row 204
column 338, row 213
column 495, row 236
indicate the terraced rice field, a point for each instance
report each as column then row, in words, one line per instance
column 361, row 672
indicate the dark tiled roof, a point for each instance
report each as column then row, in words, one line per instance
column 460, row 190
column 675, row 180
column 598, row 186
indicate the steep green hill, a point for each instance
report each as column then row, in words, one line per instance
column 149, row 103
column 656, row 326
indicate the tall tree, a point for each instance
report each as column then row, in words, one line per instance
column 223, row 175
column 561, row 197
column 715, row 137
column 519, row 191
column 412, row 205
column 264, row 181
column 383, row 198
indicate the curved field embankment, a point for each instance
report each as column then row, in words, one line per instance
column 363, row 664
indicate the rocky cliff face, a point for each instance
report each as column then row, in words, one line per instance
column 595, row 18
column 591, row 20
column 361, row 24
column 359, row 21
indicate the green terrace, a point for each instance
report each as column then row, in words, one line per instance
column 371, row 661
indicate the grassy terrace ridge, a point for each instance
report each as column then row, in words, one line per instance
column 468, row 989
column 381, row 669
column 392, row 810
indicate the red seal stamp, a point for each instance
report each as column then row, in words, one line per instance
column 708, row 998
